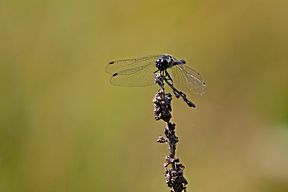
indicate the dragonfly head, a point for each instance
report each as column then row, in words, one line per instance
column 164, row 62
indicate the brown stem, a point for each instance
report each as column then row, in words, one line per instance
column 162, row 110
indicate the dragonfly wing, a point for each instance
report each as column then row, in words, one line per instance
column 121, row 65
column 187, row 79
column 135, row 77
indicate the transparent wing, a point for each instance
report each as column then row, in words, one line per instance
column 187, row 79
column 135, row 77
column 121, row 65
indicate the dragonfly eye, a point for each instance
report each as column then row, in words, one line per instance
column 162, row 64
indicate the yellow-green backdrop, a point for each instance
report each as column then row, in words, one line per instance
column 64, row 128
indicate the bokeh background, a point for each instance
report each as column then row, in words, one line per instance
column 64, row 128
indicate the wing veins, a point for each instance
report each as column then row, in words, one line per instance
column 120, row 65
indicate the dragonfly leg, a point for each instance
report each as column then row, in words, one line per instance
column 156, row 71
column 168, row 77
column 178, row 93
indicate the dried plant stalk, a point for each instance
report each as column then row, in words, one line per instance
column 162, row 110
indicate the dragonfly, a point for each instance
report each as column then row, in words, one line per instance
column 141, row 72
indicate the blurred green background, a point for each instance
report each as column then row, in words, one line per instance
column 63, row 127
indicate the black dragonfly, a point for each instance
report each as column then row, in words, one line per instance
column 141, row 72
